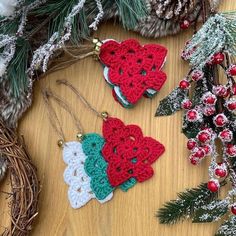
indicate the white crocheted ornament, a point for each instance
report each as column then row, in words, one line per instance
column 79, row 192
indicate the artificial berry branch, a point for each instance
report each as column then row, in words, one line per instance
column 209, row 116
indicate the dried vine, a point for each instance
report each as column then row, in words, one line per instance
column 24, row 182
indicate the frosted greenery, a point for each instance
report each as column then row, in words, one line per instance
column 218, row 33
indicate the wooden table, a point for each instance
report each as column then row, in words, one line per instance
column 127, row 214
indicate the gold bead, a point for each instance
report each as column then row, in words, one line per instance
column 97, row 49
column 95, row 40
column 104, row 115
column 60, row 143
column 79, row 136
column 97, row 46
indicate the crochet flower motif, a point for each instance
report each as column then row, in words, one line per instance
column 128, row 153
column 133, row 69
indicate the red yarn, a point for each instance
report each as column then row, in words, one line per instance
column 134, row 68
column 128, row 153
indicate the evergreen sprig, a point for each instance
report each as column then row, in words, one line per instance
column 17, row 75
column 176, row 210
column 131, row 11
column 49, row 17
column 60, row 10
column 211, row 212
column 228, row 228
column 217, row 34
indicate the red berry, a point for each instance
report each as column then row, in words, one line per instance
column 207, row 148
column 204, row 136
column 191, row 144
column 220, row 120
column 233, row 209
column 221, row 91
column 194, row 160
column 231, row 150
column 226, row 135
column 232, row 70
column 209, row 110
column 199, row 153
column 186, row 104
column 184, row 24
column 220, row 172
column 192, row 115
column 213, row 185
column 184, row 84
column 210, row 130
column 218, row 58
column 231, row 104
column 209, row 98
column 233, row 89
column 197, row 75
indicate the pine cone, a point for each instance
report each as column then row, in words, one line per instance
column 165, row 16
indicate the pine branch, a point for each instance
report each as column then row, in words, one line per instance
column 131, row 12
column 217, row 34
column 188, row 201
column 211, row 212
column 17, row 68
column 60, row 9
column 228, row 228
column 9, row 27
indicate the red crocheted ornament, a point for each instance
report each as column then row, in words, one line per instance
column 128, row 153
column 134, row 68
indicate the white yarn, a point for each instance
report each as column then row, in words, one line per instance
column 79, row 192
column 7, row 7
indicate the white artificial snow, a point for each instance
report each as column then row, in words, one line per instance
column 7, row 7
column 3, row 67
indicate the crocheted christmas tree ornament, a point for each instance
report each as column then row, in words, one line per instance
column 133, row 70
column 128, row 153
column 96, row 168
column 80, row 191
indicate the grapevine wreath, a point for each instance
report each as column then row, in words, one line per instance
column 35, row 37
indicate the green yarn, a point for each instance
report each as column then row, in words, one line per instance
column 128, row 184
column 95, row 166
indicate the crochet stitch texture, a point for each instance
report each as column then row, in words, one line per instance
column 129, row 154
column 133, row 68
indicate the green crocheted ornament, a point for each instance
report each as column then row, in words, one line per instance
column 128, row 184
column 96, row 167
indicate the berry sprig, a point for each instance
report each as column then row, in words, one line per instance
column 209, row 120
column 215, row 114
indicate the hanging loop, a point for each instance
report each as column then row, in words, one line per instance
column 54, row 120
column 103, row 115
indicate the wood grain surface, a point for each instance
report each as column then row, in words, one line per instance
column 127, row 214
